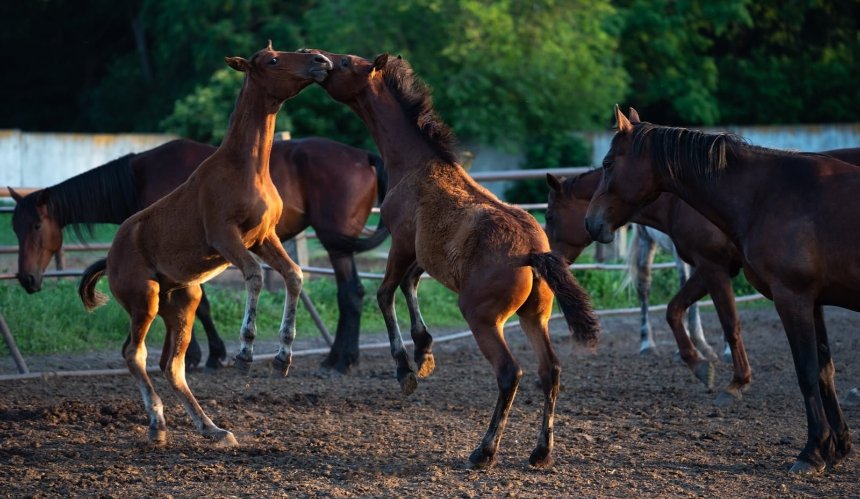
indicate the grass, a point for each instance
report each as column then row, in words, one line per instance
column 54, row 320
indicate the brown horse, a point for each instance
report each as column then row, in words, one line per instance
column 714, row 258
column 495, row 256
column 757, row 196
column 307, row 172
column 227, row 209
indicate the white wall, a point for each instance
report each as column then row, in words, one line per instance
column 44, row 159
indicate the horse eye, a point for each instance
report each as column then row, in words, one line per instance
column 37, row 225
column 273, row 61
column 344, row 62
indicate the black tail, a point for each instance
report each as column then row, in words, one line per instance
column 87, row 288
column 572, row 298
column 348, row 244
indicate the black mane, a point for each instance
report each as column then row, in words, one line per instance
column 414, row 95
column 105, row 194
column 681, row 150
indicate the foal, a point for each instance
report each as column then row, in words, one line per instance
column 228, row 206
column 495, row 256
column 757, row 196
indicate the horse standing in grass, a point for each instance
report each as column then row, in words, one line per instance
column 306, row 172
column 757, row 196
column 227, row 209
column 495, row 256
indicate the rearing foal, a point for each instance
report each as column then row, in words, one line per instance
column 226, row 209
column 495, row 256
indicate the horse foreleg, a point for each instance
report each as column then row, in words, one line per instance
column 691, row 291
column 796, row 313
column 399, row 262
column 694, row 322
column 423, row 354
column 350, row 294
column 645, row 248
column 827, row 385
column 217, row 350
column 177, row 310
column 229, row 245
column 720, row 289
column 273, row 253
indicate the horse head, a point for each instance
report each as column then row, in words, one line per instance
column 628, row 182
column 282, row 75
column 40, row 236
column 351, row 74
column 565, row 214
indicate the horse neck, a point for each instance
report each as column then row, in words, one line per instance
column 252, row 126
column 656, row 215
column 402, row 146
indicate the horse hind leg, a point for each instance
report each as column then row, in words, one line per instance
column 692, row 289
column 344, row 353
column 217, row 349
column 549, row 372
column 141, row 305
column 720, row 289
column 424, row 360
column 177, row 310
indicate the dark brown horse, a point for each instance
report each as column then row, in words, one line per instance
column 324, row 184
column 758, row 197
column 714, row 258
column 495, row 256
column 227, row 209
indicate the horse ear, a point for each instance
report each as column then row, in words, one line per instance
column 17, row 197
column 269, row 47
column 380, row 62
column 634, row 116
column 622, row 124
column 553, row 182
column 238, row 63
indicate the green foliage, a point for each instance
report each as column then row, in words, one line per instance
column 547, row 151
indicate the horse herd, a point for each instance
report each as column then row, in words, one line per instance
column 722, row 201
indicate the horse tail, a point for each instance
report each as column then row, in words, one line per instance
column 573, row 300
column 348, row 244
column 91, row 297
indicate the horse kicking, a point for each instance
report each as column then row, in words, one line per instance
column 226, row 209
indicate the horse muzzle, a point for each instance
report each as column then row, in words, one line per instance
column 599, row 230
column 30, row 282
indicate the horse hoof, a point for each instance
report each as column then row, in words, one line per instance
column 727, row 398
column 157, row 436
column 426, row 365
column 242, row 365
column 408, row 384
column 280, row 368
column 648, row 351
column 480, row 461
column 541, row 458
column 221, row 438
column 705, row 372
column 804, row 468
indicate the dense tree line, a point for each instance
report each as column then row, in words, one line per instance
column 521, row 74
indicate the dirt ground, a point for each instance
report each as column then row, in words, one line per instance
column 625, row 425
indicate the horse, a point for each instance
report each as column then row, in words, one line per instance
column 495, row 256
column 713, row 257
column 757, row 196
column 643, row 246
column 305, row 171
column 226, row 210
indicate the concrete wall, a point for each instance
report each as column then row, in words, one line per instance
column 44, row 159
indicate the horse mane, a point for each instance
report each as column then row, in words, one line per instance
column 681, row 150
column 105, row 194
column 415, row 97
